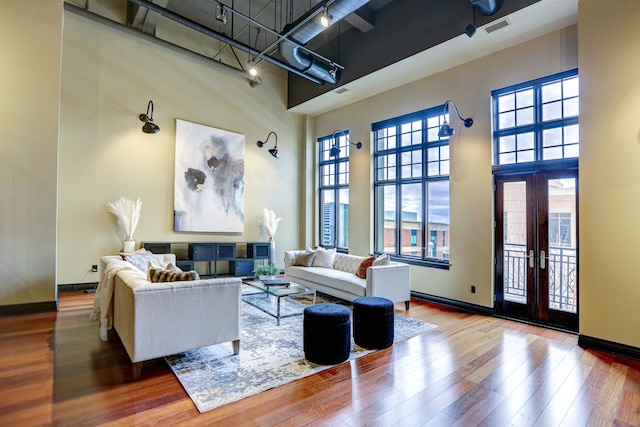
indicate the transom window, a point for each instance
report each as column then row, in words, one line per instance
column 334, row 191
column 537, row 121
column 411, row 180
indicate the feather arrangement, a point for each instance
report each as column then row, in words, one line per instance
column 269, row 222
column 127, row 213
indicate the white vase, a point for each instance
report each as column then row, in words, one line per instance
column 129, row 246
column 272, row 251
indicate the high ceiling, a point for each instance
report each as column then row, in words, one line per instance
column 366, row 38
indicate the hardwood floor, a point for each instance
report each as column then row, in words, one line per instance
column 471, row 370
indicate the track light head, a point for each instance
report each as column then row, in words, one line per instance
column 325, row 18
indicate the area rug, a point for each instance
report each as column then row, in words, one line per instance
column 270, row 356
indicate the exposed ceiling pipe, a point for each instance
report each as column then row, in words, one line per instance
column 304, row 62
column 487, row 7
column 211, row 33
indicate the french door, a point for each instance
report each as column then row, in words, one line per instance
column 537, row 247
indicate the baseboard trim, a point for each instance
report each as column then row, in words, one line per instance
column 460, row 305
column 30, row 308
column 76, row 287
column 611, row 347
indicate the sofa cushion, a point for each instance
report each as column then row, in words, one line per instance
column 142, row 260
column 383, row 259
column 324, row 257
column 347, row 262
column 364, row 265
column 158, row 275
column 337, row 279
column 304, row 259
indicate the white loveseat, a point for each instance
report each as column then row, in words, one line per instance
column 392, row 281
column 159, row 319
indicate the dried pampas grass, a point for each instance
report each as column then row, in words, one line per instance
column 128, row 214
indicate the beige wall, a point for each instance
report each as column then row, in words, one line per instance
column 610, row 170
column 30, row 43
column 107, row 79
column 469, row 86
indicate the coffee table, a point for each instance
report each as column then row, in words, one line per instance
column 272, row 299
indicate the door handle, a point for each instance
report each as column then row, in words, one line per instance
column 531, row 258
column 542, row 260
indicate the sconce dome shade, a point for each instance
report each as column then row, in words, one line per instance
column 446, row 131
column 334, row 151
column 274, row 152
column 150, row 127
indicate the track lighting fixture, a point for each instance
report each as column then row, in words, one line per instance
column 446, row 130
column 335, row 150
column 470, row 29
column 252, row 69
column 149, row 126
column 325, row 18
column 222, row 15
column 273, row 151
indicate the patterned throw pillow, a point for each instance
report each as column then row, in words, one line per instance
column 304, row 259
column 142, row 260
column 364, row 265
column 324, row 257
column 382, row 260
column 157, row 275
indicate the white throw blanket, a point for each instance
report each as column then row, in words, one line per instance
column 102, row 301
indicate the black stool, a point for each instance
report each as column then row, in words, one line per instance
column 373, row 322
column 327, row 333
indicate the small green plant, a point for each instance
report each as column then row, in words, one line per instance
column 266, row 270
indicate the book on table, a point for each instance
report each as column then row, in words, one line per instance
column 276, row 282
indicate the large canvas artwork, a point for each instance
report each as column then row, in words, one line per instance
column 209, row 179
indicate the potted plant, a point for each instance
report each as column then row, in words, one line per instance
column 266, row 271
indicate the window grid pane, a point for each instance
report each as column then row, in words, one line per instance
column 537, row 121
column 421, row 157
column 334, row 191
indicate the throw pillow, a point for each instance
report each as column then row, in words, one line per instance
column 168, row 267
column 383, row 259
column 324, row 257
column 304, row 260
column 123, row 255
column 157, row 275
column 364, row 265
column 142, row 260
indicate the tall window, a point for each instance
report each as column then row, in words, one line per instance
column 334, row 191
column 537, row 121
column 411, row 179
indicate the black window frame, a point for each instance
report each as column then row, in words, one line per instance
column 537, row 127
column 437, row 112
column 326, row 161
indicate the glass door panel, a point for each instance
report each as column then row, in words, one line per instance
column 515, row 258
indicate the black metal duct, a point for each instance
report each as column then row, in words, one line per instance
column 306, row 31
column 487, row 7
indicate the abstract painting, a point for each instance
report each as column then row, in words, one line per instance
column 209, row 179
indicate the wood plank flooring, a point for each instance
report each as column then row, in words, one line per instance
column 471, row 370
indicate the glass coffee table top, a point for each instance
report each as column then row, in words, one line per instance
column 274, row 300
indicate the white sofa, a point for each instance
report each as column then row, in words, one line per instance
column 392, row 281
column 159, row 319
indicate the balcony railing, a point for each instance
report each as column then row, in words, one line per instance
column 562, row 269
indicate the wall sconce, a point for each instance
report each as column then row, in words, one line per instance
column 445, row 129
column 334, row 150
column 149, row 126
column 274, row 150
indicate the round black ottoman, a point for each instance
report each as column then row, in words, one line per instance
column 327, row 333
column 373, row 322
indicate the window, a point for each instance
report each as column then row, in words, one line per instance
column 411, row 180
column 334, row 192
column 537, row 121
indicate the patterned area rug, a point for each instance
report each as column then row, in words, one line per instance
column 270, row 356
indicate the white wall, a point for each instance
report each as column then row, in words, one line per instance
column 469, row 86
column 30, row 43
column 107, row 79
column 610, row 170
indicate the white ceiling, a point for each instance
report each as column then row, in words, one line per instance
column 536, row 20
